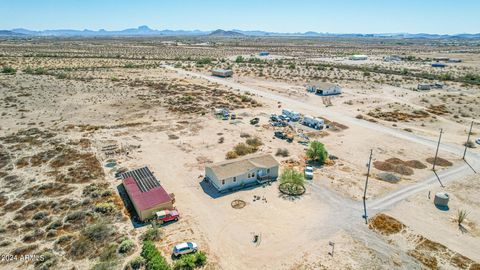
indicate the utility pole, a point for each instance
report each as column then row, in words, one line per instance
column 365, row 190
column 438, row 146
column 468, row 139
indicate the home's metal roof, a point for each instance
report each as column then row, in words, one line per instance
column 322, row 85
column 144, row 178
column 239, row 166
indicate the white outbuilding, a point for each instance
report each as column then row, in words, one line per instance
column 324, row 88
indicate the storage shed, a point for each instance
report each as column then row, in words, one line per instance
column 441, row 199
column 145, row 193
column 424, row 86
column 222, row 73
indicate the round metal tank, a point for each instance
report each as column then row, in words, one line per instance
column 441, row 199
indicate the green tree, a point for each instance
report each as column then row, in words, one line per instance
column 8, row 70
column 317, row 152
column 292, row 176
column 239, row 59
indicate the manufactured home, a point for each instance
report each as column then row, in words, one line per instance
column 222, row 73
column 424, row 86
column 324, row 88
column 242, row 172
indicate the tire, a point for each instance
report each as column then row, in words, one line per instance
column 176, row 219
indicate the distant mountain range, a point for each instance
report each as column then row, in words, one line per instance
column 146, row 31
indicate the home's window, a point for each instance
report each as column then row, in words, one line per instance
column 248, row 175
column 253, row 174
column 223, row 182
column 268, row 170
column 234, row 179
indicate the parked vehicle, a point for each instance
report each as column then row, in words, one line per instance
column 254, row 121
column 284, row 118
column 280, row 135
column 279, row 124
column 292, row 115
column 233, row 116
column 184, row 248
column 309, row 172
column 167, row 215
column 477, row 141
column 274, row 118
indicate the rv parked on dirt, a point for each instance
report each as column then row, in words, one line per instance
column 313, row 122
column 292, row 115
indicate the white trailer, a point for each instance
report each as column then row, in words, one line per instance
column 313, row 122
column 293, row 115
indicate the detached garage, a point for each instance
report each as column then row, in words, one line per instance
column 324, row 88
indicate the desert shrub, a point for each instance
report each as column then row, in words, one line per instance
column 126, row 246
column 191, row 261
column 204, row 61
column 244, row 135
column 98, row 232
column 254, row 142
column 75, row 216
column 137, row 262
column 152, row 234
column 153, row 259
column 8, row 70
column 54, row 224
column 40, row 215
column 109, row 253
column 242, row 149
column 231, row 155
column 48, row 262
column 282, row 152
column 221, row 140
column 80, row 248
column 107, row 265
column 104, row 208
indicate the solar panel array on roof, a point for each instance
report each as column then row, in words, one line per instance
column 143, row 177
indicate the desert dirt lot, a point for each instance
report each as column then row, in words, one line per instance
column 64, row 105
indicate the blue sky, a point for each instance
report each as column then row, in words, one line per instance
column 334, row 16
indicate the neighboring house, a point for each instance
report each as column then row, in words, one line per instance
column 358, row 57
column 242, row 172
column 439, row 65
column 145, row 193
column 324, row 88
column 424, row 86
column 222, row 72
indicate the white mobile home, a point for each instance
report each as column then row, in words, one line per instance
column 242, row 172
column 222, row 73
column 324, row 88
column 358, row 57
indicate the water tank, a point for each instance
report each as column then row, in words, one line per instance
column 441, row 199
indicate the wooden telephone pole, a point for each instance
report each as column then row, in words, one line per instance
column 365, row 216
column 438, row 146
column 468, row 139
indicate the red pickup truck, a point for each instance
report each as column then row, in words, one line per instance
column 167, row 215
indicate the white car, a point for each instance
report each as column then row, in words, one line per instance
column 309, row 172
column 477, row 141
column 184, row 248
